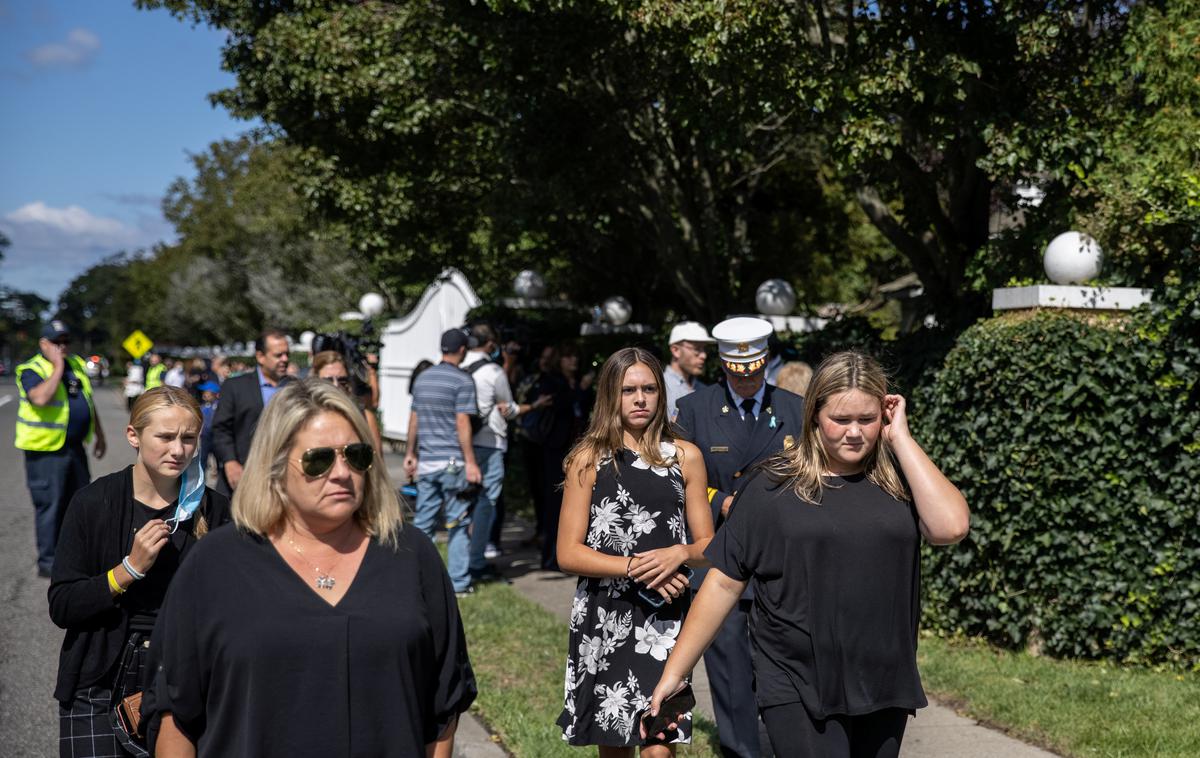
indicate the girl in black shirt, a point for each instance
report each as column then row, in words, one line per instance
column 829, row 533
column 122, row 540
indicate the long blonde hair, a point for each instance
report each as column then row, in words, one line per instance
column 605, row 433
column 260, row 500
column 166, row 396
column 804, row 465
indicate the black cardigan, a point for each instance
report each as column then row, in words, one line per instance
column 96, row 535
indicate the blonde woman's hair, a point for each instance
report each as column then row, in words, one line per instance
column 165, row 396
column 605, row 435
column 794, row 377
column 260, row 501
column 803, row 466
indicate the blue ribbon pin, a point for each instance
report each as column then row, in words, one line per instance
column 772, row 422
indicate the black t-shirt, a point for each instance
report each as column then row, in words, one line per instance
column 145, row 596
column 836, row 594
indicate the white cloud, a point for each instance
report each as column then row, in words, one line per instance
column 78, row 49
column 51, row 246
column 71, row 221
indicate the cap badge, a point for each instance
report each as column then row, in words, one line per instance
column 788, row 441
column 743, row 347
column 724, row 409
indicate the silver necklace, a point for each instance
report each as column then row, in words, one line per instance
column 324, row 580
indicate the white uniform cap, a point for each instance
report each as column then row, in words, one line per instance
column 742, row 344
column 689, row 331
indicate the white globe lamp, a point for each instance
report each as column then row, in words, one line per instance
column 775, row 297
column 1072, row 258
column 306, row 339
column 617, row 311
column 371, row 304
column 529, row 284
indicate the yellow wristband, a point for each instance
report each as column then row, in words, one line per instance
column 112, row 583
column 712, row 492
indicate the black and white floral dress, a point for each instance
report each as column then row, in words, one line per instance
column 619, row 642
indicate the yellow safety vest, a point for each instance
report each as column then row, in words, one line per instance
column 154, row 376
column 43, row 428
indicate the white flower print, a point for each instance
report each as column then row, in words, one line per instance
column 667, row 450
column 614, row 704
column 605, row 516
column 578, row 608
column 642, row 522
column 675, row 524
column 656, row 638
column 616, row 586
column 590, row 651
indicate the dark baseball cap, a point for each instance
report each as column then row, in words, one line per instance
column 209, row 387
column 55, row 330
column 453, row 340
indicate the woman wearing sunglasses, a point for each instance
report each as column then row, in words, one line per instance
column 320, row 625
column 331, row 366
column 122, row 542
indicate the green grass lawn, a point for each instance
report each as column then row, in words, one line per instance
column 1074, row 708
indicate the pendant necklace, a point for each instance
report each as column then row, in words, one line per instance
column 324, row 580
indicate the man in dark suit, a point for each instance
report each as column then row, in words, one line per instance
column 242, row 401
column 736, row 424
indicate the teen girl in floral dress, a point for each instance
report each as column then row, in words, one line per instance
column 634, row 516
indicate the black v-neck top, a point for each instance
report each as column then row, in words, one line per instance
column 252, row 662
column 836, row 594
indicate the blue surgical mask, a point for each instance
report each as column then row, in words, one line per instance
column 191, row 492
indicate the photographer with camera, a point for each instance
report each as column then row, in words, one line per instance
column 330, row 365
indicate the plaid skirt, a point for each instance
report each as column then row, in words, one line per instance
column 84, row 727
column 87, row 727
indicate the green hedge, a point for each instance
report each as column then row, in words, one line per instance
column 1077, row 444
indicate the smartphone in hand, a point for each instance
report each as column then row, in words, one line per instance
column 653, row 598
column 670, row 711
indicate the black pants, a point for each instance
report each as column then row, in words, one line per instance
column 795, row 734
column 53, row 478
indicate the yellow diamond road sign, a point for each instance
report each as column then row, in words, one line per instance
column 137, row 343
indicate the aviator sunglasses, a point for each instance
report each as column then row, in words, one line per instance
column 317, row 461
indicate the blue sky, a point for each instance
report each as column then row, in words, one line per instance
column 100, row 105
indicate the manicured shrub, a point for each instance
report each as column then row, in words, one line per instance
column 1076, row 440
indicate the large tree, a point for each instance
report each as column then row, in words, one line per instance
column 694, row 146
column 569, row 140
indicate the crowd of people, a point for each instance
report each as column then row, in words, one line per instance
column 773, row 531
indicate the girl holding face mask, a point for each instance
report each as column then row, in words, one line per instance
column 122, row 540
column 829, row 532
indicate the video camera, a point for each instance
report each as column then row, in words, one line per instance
column 353, row 349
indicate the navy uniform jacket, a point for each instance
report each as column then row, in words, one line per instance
column 709, row 418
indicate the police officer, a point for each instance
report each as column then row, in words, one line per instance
column 55, row 418
column 736, row 423
column 154, row 374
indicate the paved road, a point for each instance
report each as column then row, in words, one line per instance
column 29, row 643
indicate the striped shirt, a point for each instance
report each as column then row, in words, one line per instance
column 441, row 392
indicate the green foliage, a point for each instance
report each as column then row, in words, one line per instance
column 563, row 137
column 20, row 319
column 1076, row 440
